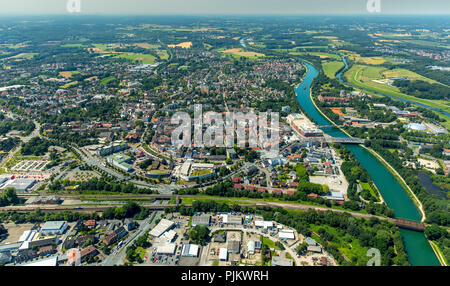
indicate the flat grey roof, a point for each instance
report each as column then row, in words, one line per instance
column 53, row 225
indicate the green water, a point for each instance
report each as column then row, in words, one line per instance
column 419, row 250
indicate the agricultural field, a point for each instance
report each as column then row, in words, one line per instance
column 68, row 74
column 70, row 84
column 103, row 48
column 331, row 68
column 21, row 56
column 325, row 55
column 238, row 52
column 257, row 45
column 147, row 46
column 363, row 76
column 142, row 58
column 364, row 60
column 184, row 45
column 107, row 79
column 73, row 46
column 163, row 55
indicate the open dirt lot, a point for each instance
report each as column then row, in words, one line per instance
column 15, row 231
column 336, row 183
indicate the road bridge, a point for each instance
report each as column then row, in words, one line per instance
column 409, row 224
column 345, row 140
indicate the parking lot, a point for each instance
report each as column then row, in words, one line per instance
column 30, row 166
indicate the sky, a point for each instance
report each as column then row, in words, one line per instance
column 41, row 7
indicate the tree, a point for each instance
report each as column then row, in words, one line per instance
column 301, row 249
column 434, row 232
column 9, row 197
column 199, row 234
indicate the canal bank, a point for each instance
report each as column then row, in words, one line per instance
column 345, row 68
column 419, row 251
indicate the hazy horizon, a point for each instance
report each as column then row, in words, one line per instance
column 229, row 7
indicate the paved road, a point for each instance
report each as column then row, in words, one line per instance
column 145, row 226
column 26, row 139
column 91, row 161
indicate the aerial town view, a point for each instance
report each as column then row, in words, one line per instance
column 138, row 134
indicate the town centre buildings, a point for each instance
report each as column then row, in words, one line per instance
column 303, row 126
column 191, row 171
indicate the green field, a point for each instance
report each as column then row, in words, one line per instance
column 22, row 56
column 320, row 54
column 311, row 47
column 300, row 49
column 163, row 55
column 143, row 58
column 331, row 68
column 107, row 79
column 70, row 84
column 269, row 243
column 366, row 186
column 346, row 244
column 363, row 76
column 317, row 54
column 73, row 46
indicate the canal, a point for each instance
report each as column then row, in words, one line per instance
column 419, row 250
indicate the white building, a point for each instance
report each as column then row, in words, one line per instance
column 27, row 235
column 188, row 167
column 50, row 261
column 264, row 224
column 20, row 185
column 166, row 249
column 251, row 247
column 286, row 234
column 231, row 219
column 54, row 227
column 223, row 254
column 162, row 227
column 190, row 250
column 169, row 236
